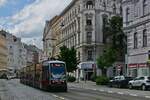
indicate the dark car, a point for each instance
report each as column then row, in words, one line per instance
column 120, row 82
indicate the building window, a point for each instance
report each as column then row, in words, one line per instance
column 114, row 8
column 89, row 37
column 144, row 38
column 145, row 7
column 89, row 55
column 135, row 40
column 79, row 55
column 89, row 4
column 127, row 14
column 89, row 22
column 105, row 24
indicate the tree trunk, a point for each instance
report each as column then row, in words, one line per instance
column 104, row 72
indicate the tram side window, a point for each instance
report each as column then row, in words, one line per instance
column 45, row 72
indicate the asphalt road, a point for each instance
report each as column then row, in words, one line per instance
column 88, row 94
column 13, row 90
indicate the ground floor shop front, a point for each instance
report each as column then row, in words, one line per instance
column 138, row 69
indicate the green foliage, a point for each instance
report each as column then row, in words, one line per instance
column 69, row 56
column 71, row 79
column 106, row 60
column 93, row 77
column 102, row 80
column 117, row 48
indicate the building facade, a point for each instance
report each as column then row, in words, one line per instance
column 3, row 53
column 34, row 55
column 80, row 25
column 136, row 18
column 16, row 53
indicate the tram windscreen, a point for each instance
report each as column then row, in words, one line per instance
column 58, row 71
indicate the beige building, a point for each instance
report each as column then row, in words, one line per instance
column 3, row 53
column 56, row 35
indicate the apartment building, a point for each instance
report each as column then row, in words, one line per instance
column 136, row 17
column 16, row 53
column 3, row 53
column 80, row 25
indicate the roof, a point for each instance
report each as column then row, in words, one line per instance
column 68, row 7
column 54, row 61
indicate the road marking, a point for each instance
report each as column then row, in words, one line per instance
column 110, row 91
column 55, row 95
column 62, row 98
column 59, row 97
column 133, row 95
column 101, row 90
column 147, row 97
column 94, row 89
column 72, row 88
column 120, row 92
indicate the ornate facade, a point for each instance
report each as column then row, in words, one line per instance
column 136, row 17
column 81, row 26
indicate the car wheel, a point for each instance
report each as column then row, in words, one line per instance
column 143, row 87
column 130, row 86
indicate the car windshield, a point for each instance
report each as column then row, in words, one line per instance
column 129, row 78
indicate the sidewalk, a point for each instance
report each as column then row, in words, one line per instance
column 92, row 86
column 83, row 84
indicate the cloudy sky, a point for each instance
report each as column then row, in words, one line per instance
column 26, row 18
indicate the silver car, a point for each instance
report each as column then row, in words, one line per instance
column 140, row 82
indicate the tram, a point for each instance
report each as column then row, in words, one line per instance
column 49, row 75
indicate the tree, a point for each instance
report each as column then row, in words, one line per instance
column 69, row 57
column 116, row 49
column 115, row 32
column 106, row 60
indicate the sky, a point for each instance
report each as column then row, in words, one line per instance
column 26, row 18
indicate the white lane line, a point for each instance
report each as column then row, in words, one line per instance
column 120, row 93
column 101, row 90
column 110, row 91
column 133, row 95
column 72, row 88
column 62, row 98
column 55, row 96
column 94, row 89
column 147, row 97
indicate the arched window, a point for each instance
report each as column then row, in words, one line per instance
column 135, row 40
column 89, row 4
column 145, row 7
column 144, row 38
column 127, row 14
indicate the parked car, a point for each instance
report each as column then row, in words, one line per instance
column 140, row 82
column 120, row 81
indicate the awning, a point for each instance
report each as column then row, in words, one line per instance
column 87, row 65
